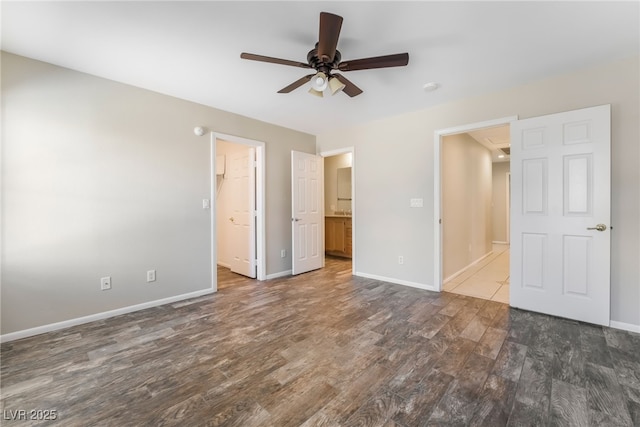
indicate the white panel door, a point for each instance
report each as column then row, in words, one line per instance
column 306, row 212
column 560, row 213
column 243, row 213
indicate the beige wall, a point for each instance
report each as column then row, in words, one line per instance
column 466, row 202
column 499, row 202
column 388, row 229
column 331, row 165
column 105, row 179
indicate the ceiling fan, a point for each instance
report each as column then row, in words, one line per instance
column 325, row 59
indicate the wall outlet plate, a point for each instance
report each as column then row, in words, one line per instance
column 105, row 283
column 151, row 276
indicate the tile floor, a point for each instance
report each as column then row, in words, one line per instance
column 489, row 279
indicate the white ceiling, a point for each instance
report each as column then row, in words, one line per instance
column 191, row 50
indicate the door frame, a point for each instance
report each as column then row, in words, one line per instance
column 437, row 187
column 337, row 152
column 508, row 204
column 260, row 203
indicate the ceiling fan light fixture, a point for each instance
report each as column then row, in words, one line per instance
column 335, row 85
column 319, row 82
column 312, row 91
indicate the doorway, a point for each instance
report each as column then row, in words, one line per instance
column 339, row 207
column 238, row 174
column 562, row 190
column 471, row 208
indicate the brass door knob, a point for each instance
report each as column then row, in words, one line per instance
column 599, row 227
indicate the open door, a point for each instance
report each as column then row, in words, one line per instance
column 306, row 212
column 560, row 213
column 243, row 181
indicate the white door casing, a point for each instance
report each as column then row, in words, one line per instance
column 560, row 172
column 243, row 213
column 307, row 219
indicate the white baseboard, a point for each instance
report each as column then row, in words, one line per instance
column 280, row 274
column 99, row 316
column 625, row 326
column 396, row 281
column 224, row 264
column 497, row 242
column 459, row 272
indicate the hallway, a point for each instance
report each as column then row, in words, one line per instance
column 489, row 279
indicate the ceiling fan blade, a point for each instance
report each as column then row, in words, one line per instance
column 330, row 26
column 397, row 60
column 296, row 84
column 349, row 88
column 271, row 60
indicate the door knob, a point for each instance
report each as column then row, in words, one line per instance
column 231, row 219
column 599, row 227
column 295, row 219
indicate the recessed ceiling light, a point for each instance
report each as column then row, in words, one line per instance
column 431, row 86
column 501, row 156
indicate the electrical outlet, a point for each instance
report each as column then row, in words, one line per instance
column 283, row 253
column 105, row 283
column 151, row 276
column 400, row 259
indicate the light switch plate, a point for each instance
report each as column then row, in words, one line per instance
column 416, row 203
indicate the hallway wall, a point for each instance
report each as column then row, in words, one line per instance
column 466, row 202
column 499, row 200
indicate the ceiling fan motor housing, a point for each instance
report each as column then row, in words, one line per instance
column 319, row 65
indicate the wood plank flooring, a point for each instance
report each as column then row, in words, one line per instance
column 325, row 349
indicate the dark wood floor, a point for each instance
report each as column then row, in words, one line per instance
column 326, row 349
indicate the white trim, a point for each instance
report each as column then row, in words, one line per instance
column 224, row 264
column 99, row 316
column 508, row 203
column 337, row 152
column 497, row 242
column 261, row 248
column 213, row 203
column 437, row 209
column 396, row 281
column 280, row 274
column 463, row 269
column 625, row 326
